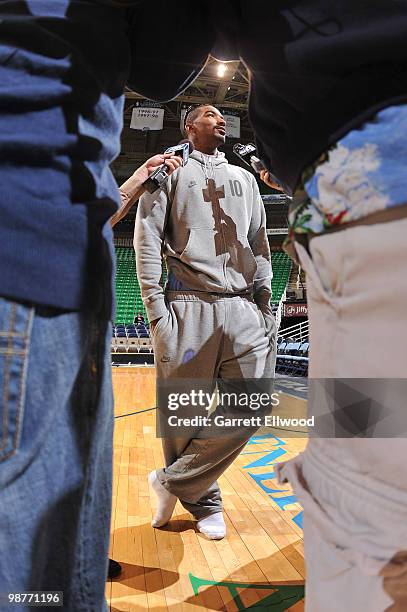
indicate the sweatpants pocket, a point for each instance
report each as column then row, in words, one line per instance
column 15, row 329
column 162, row 321
column 270, row 322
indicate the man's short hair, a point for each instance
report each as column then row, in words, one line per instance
column 191, row 114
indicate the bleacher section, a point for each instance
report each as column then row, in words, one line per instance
column 163, row 274
column 281, row 264
column 133, row 338
column 293, row 349
column 128, row 294
column 292, row 358
column 292, row 352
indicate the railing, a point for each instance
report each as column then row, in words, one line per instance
column 123, row 242
column 279, row 312
column 298, row 332
column 277, row 231
column 131, row 345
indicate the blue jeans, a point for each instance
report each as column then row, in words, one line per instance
column 56, row 425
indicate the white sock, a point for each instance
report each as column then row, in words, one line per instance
column 212, row 526
column 165, row 501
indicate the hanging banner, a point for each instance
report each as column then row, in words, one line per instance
column 143, row 118
column 232, row 126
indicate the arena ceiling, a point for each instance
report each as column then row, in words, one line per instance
column 227, row 92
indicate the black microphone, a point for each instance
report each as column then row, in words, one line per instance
column 248, row 154
column 156, row 179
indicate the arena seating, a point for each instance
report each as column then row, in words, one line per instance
column 128, row 293
column 281, row 264
column 292, row 357
column 129, row 337
column 133, row 338
column 128, row 297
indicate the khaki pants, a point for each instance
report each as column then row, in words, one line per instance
column 354, row 491
column 209, row 337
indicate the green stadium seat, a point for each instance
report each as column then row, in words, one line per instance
column 128, row 293
column 281, row 264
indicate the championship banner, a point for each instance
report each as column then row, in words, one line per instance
column 232, row 126
column 144, row 118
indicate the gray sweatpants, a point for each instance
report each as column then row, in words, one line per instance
column 209, row 336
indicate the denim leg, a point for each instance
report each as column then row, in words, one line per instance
column 56, row 425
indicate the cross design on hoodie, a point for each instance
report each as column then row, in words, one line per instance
column 213, row 194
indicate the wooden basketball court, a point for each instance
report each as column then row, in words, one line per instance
column 259, row 565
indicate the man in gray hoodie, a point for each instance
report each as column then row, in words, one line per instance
column 213, row 321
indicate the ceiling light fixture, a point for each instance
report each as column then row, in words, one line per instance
column 221, row 70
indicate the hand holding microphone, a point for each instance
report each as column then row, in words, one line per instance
column 135, row 186
column 248, row 154
column 170, row 160
column 265, row 177
column 158, row 177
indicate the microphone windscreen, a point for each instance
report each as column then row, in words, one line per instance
column 191, row 146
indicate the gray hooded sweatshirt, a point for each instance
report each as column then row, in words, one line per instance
column 209, row 223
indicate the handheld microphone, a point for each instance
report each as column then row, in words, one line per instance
column 248, row 154
column 160, row 174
